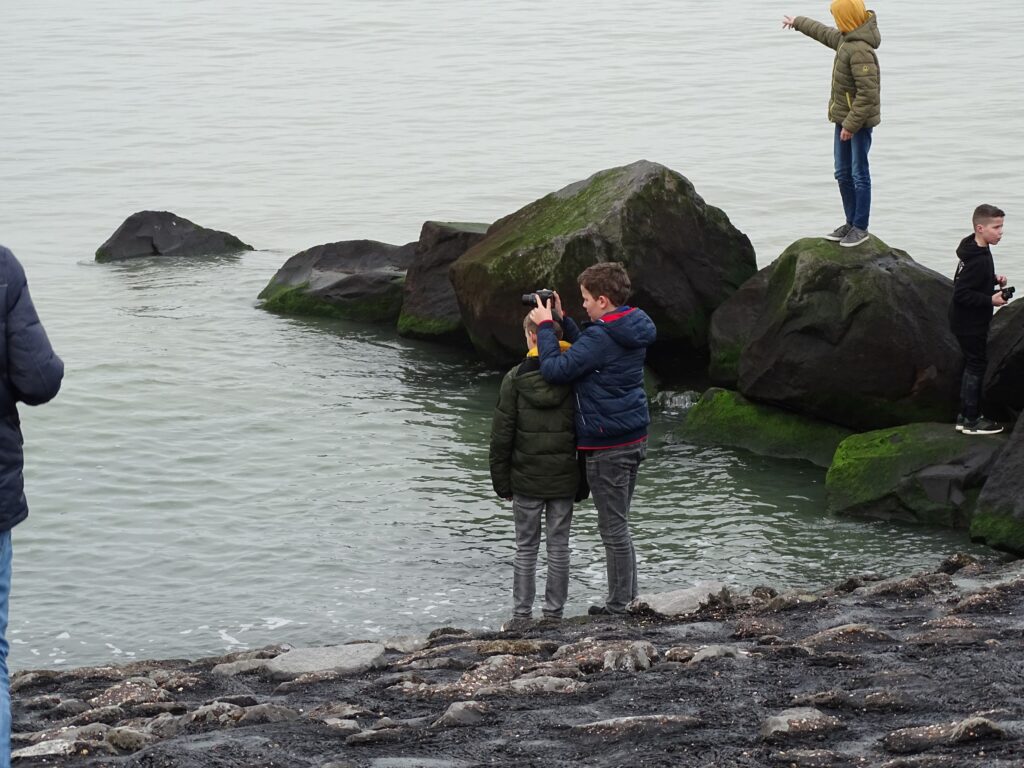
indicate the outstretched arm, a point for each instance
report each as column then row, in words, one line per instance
column 823, row 33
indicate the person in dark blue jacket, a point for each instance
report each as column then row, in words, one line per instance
column 605, row 365
column 30, row 373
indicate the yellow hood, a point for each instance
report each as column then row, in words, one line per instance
column 562, row 346
column 849, row 14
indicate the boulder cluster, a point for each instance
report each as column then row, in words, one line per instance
column 840, row 356
column 920, row 671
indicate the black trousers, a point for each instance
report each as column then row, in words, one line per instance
column 975, row 350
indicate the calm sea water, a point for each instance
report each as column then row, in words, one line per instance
column 214, row 477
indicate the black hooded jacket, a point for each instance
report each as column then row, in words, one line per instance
column 974, row 284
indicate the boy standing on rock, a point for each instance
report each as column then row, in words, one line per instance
column 855, row 106
column 977, row 291
column 30, row 373
column 605, row 365
column 533, row 463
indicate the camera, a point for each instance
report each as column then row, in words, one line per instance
column 545, row 295
column 1007, row 292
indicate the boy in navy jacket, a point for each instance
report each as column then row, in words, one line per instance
column 605, row 365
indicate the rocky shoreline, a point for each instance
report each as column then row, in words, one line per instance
column 923, row 671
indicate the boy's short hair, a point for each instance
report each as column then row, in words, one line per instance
column 531, row 327
column 606, row 278
column 986, row 212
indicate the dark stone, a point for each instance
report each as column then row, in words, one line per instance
column 684, row 258
column 999, row 517
column 917, row 473
column 1004, row 379
column 429, row 307
column 733, row 325
column 161, row 233
column 860, row 339
column 352, row 280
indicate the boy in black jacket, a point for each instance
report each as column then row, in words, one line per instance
column 977, row 290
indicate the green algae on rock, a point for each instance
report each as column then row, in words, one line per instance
column 920, row 473
column 855, row 336
column 724, row 417
column 999, row 516
column 683, row 256
column 429, row 308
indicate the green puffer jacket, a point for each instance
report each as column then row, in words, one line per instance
column 533, row 440
column 856, row 78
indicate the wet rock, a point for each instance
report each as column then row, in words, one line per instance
column 55, row 748
column 636, row 726
column 847, row 635
column 516, row 647
column 462, row 713
column 405, row 643
column 717, row 652
column 240, row 667
column 238, row 699
column 908, row 588
column 788, row 601
column 677, row 602
column 137, row 690
column 591, row 655
column 825, row 307
column 383, row 736
column 815, row 758
column 928, row 737
column 999, row 517
column 70, row 708
column 267, row 713
column 917, row 473
column 129, row 739
column 338, row 659
column 724, row 417
column 429, row 307
column 679, row 653
column 219, row 714
column 342, row 727
column 634, row 657
column 354, row 280
column 797, row 723
column 164, row 726
column 176, row 682
column 535, row 685
column 756, row 627
column 108, row 715
column 21, row 681
column 957, row 562
column 733, row 325
column 161, row 233
column 47, row 701
column 1004, row 378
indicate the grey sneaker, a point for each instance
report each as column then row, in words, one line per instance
column 839, row 233
column 854, row 237
column 959, row 422
column 981, row 426
column 517, row 624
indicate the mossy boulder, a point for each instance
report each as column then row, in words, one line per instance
column 684, row 258
column 352, row 280
column 429, row 308
column 1004, row 379
column 733, row 324
column 856, row 336
column 162, row 233
column 921, row 473
column 724, row 417
column 999, row 517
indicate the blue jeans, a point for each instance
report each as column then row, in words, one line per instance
column 612, row 476
column 5, row 682
column 854, row 175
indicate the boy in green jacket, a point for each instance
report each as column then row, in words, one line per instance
column 533, row 463
column 854, row 107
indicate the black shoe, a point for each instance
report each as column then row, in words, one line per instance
column 599, row 610
column 981, row 426
column 517, row 624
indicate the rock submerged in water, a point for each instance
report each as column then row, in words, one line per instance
column 161, row 233
column 684, row 258
column 351, row 280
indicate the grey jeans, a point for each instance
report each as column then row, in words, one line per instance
column 612, row 476
column 558, row 515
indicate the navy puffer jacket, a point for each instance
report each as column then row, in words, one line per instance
column 30, row 373
column 605, row 365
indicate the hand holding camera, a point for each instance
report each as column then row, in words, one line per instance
column 544, row 298
column 1008, row 292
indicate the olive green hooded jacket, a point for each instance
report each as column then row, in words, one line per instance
column 856, row 78
column 533, row 438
